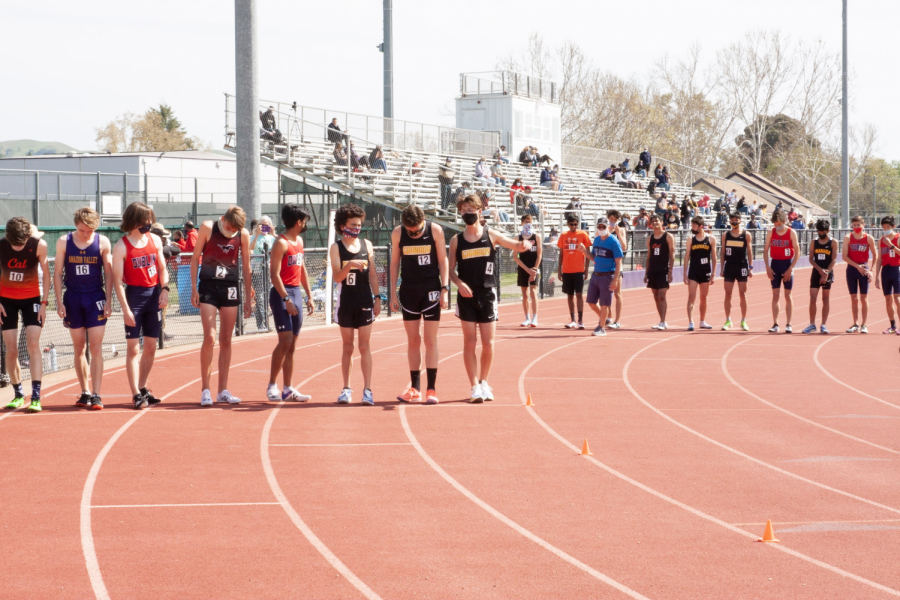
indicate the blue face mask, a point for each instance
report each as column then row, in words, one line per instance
column 144, row 228
column 526, row 229
column 351, row 232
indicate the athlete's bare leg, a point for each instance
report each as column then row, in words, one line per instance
column 525, row 301
column 618, row 296
column 470, row 345
column 854, row 308
column 580, row 302
column 692, row 295
column 570, row 300
column 79, row 341
column 227, row 319
column 729, row 288
column 788, row 305
column 414, row 344
column 347, row 354
column 813, row 296
column 776, row 307
column 283, row 357
column 826, row 305
column 11, row 339
column 365, row 355
column 742, row 290
column 208, row 320
column 35, row 358
column 95, row 337
column 532, row 289
column 659, row 296
column 704, row 292
column 864, row 302
column 139, row 371
column 431, row 345
column 487, row 348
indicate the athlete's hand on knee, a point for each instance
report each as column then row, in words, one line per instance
column 128, row 317
column 377, row 308
column 195, row 298
column 788, row 274
column 395, row 304
column 464, row 290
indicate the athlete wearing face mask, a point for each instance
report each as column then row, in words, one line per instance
column 606, row 252
column 527, row 272
column 737, row 266
column 700, row 257
column 784, row 249
column 859, row 250
column 614, row 217
column 823, row 253
column 887, row 271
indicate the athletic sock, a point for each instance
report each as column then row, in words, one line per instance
column 893, row 324
column 580, row 317
column 572, row 315
column 35, row 390
column 414, row 379
column 17, row 389
column 432, row 378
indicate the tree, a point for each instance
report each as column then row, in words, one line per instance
column 157, row 130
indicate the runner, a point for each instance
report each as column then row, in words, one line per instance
column 573, row 268
column 419, row 261
column 823, row 253
column 84, row 258
column 287, row 272
column 859, row 249
column 138, row 262
column 614, row 217
column 528, row 271
column 20, row 290
column 216, row 257
column 784, row 249
column 352, row 262
column 737, row 266
column 606, row 252
column 473, row 252
column 700, row 256
column 887, row 271
column 658, row 267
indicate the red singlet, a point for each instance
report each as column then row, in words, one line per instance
column 859, row 250
column 291, row 262
column 140, row 264
column 890, row 257
column 781, row 247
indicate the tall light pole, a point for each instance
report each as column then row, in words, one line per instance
column 247, row 107
column 845, row 153
column 387, row 47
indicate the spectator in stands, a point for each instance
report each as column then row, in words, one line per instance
column 446, row 175
column 462, row 191
column 721, row 219
column 554, row 172
column 753, row 207
column 625, row 224
column 547, row 180
column 525, row 157
column 340, row 157
column 641, row 169
column 742, row 206
column 731, row 196
column 672, row 220
column 719, row 204
column 488, row 210
column 271, row 136
column 415, row 169
column 376, row 159
column 498, row 173
column 703, row 204
column 792, row 215
column 642, row 221
column 483, row 173
column 500, row 155
column 170, row 250
column 779, row 206
column 178, row 239
column 552, row 237
column 609, row 173
column 619, row 179
column 357, row 161
column 687, row 213
column 625, row 164
column 644, row 157
column 797, row 223
column 662, row 179
column 529, row 206
column 761, row 210
column 334, row 133
column 662, row 205
column 190, row 236
column 631, row 179
column 269, row 121
column 651, row 187
column 573, row 209
column 753, row 224
column 514, row 189
column 541, row 159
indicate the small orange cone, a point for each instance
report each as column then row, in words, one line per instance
column 586, row 450
column 769, row 535
column 528, row 402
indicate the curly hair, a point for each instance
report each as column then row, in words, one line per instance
column 411, row 216
column 18, row 230
column 344, row 214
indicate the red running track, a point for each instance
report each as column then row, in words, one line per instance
column 697, row 439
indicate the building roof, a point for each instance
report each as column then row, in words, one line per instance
column 758, row 188
column 217, row 155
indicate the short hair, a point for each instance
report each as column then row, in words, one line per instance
column 236, row 217
column 88, row 216
column 18, row 230
column 779, row 215
column 735, row 215
column 572, row 219
column 698, row 220
column 412, row 215
column 136, row 215
column 345, row 213
column 472, row 200
column 857, row 219
column 888, row 219
column 655, row 217
column 824, row 225
column 525, row 216
column 614, row 213
column 292, row 213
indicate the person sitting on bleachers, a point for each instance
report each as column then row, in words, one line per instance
column 742, row 206
column 625, row 164
column 340, row 157
column 528, row 205
column 514, row 189
column 376, row 159
column 526, row 159
column 446, row 175
column 540, row 159
column 483, row 173
column 554, row 175
column 630, row 178
column 461, row 192
column 731, row 196
column 662, row 204
column 334, row 132
column 671, row 219
column 547, row 180
column 641, row 168
column 500, row 154
column 415, row 169
column 609, row 173
column 663, row 179
column 497, row 173
column 573, row 209
column 721, row 219
column 641, row 222
column 753, row 224
column 269, row 123
column 357, row 161
column 703, row 204
column 491, row 211
column 651, row 187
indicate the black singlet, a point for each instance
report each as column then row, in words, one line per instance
column 736, row 249
column 659, row 254
column 418, row 258
column 700, row 256
column 822, row 253
column 475, row 261
column 529, row 258
column 355, row 291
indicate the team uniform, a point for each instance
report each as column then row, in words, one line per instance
column 572, row 260
column 20, row 288
column 529, row 259
column 605, row 253
column 355, row 303
column 476, row 267
column 890, row 266
column 735, row 266
column 219, row 270
column 658, row 262
column 141, row 277
column 781, row 250
column 291, row 268
column 420, row 278
column 700, row 269
column 858, row 253
column 84, row 298
column 821, row 258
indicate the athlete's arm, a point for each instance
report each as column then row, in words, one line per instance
column 795, row 249
column 498, row 239
column 464, row 290
column 45, row 278
column 440, row 247
column 340, row 273
column 671, row 242
column 812, row 258
column 162, row 271
column 540, row 252
column 248, row 277
column 278, row 251
column 748, row 242
column 712, row 258
column 685, row 266
column 395, row 266
column 304, row 281
column 766, row 253
column 58, row 268
column 119, row 254
column 373, row 279
column 202, row 238
column 615, row 279
column 834, row 248
column 873, row 252
column 108, row 280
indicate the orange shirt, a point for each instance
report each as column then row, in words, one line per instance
column 19, row 276
column 572, row 258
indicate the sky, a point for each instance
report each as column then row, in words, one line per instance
column 69, row 67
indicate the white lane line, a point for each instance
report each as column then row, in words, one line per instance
column 849, row 387
column 506, row 520
column 669, row 499
column 337, row 445
column 724, row 364
column 184, row 505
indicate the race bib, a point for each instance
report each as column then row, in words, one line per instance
column 727, row 251
column 232, row 293
column 787, row 251
column 151, row 270
column 101, row 304
column 159, row 316
column 572, row 246
column 221, row 272
column 656, row 251
column 704, row 261
column 37, row 308
column 13, row 276
column 434, row 296
column 743, row 272
column 82, row 269
column 892, row 254
column 425, row 259
column 489, row 268
column 351, row 279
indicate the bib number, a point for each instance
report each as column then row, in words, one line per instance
column 13, row 276
column 425, row 259
column 232, row 293
column 101, row 304
column 489, row 268
column 151, row 270
column 82, row 270
column 221, row 272
column 37, row 308
column 704, row 261
column 656, row 251
column 787, row 251
column 727, row 251
column 434, row 296
column 351, row 279
column 892, row 254
column 743, row 272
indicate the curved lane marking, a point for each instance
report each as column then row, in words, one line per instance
column 846, row 385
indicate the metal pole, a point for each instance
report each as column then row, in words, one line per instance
column 99, row 196
column 247, row 107
column 387, row 49
column 59, row 187
column 196, row 200
column 37, row 198
column 874, row 214
column 265, row 297
column 845, row 152
column 125, row 189
column 146, row 186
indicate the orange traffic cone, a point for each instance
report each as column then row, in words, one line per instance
column 528, row 402
column 769, row 535
column 586, row 450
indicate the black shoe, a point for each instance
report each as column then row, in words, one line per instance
column 96, row 403
column 140, row 402
column 151, row 399
column 84, row 400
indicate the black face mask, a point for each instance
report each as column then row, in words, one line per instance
column 144, row 228
column 823, row 235
column 470, row 218
column 303, row 228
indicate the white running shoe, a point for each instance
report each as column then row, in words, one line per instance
column 690, row 326
column 526, row 322
column 572, row 325
column 346, row 396
column 580, row 325
column 655, row 326
column 599, row 331
column 225, row 396
column 476, row 397
column 773, row 328
column 615, row 325
column 368, row 399
column 486, row 392
column 206, row 398
column 663, row 326
column 788, row 328
column 705, row 325
column 289, row 394
column 534, row 321
column 853, row 328
column 863, row 329
column 272, row 393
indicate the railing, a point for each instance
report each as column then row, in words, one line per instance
column 508, row 82
column 582, row 157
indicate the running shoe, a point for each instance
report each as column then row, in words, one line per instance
column 823, row 329
column 290, row 394
column 534, row 321
column 663, row 326
column 525, row 323
column 226, row 396
column 476, row 397
column 690, row 326
column 615, row 325
column 853, row 328
column 346, row 396
column 84, row 400
column 599, row 331
column 35, row 406
column 16, row 402
column 788, row 328
column 410, row 394
column 727, row 325
column 431, row 397
column 580, row 325
column 151, row 399
column 486, row 392
column 96, row 402
column 368, row 399
column 811, row 328
column 272, row 393
column 608, row 320
column 863, row 329
column 705, row 325
column 657, row 326
column 206, row 398
column 571, row 325
column 744, row 325
column 773, row 328
column 140, row 402
column 889, row 330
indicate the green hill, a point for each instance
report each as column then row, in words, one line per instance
column 24, row 147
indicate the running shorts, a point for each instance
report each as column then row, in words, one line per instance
column 856, row 282
column 890, row 279
column 480, row 308
column 779, row 267
column 572, row 283
column 420, row 302
column 220, row 294
column 29, row 308
column 144, row 305
column 284, row 321
column 84, row 309
column 735, row 272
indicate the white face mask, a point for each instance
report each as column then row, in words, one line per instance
column 603, row 233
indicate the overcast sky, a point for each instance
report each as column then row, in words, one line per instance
column 68, row 67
